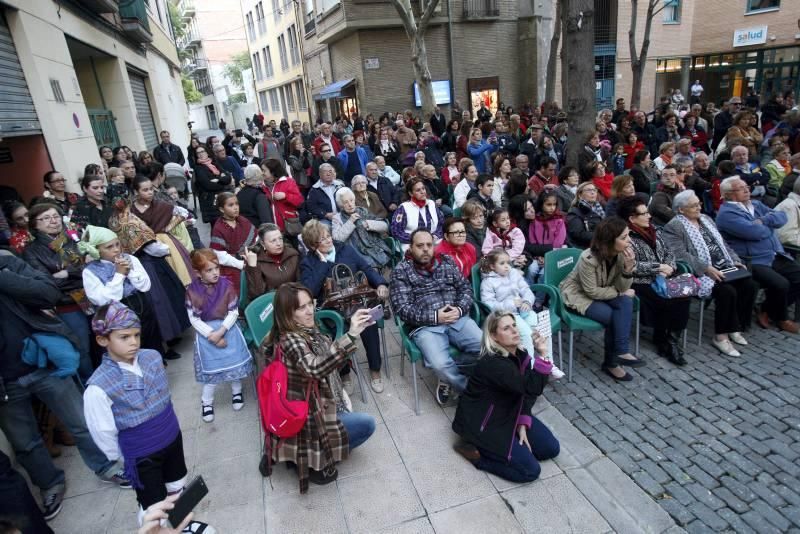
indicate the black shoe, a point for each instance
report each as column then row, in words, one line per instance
column 326, row 476
column 468, row 451
column 174, row 341
column 442, row 392
column 637, row 362
column 172, row 354
column 52, row 499
column 624, row 378
column 264, row 466
column 678, row 360
column 675, row 342
column 664, row 349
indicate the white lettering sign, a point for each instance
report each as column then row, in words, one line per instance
column 565, row 262
column 372, row 63
column 750, row 36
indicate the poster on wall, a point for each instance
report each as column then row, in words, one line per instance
column 488, row 96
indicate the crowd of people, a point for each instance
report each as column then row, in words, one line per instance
column 102, row 285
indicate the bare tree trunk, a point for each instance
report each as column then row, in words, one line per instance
column 579, row 46
column 564, row 4
column 419, row 52
column 639, row 61
column 550, row 89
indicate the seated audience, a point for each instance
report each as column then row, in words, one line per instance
column 321, row 203
column 270, row 263
column 416, row 213
column 456, row 246
column 661, row 203
column 364, row 232
column 583, row 216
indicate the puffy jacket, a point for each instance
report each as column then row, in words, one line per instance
column 499, row 292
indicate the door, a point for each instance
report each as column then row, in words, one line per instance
column 17, row 114
column 143, row 110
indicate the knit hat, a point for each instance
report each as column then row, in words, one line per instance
column 94, row 236
column 118, row 317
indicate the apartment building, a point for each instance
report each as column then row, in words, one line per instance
column 731, row 46
column 78, row 75
column 358, row 56
column 213, row 36
column 274, row 35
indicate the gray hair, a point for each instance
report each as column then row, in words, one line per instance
column 682, row 199
column 360, row 178
column 726, row 186
column 342, row 194
column 347, row 138
column 253, row 174
column 217, row 146
column 739, row 148
column 327, row 167
column 684, row 161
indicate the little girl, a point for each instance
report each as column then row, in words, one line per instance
column 450, row 173
column 504, row 288
column 17, row 216
column 617, row 160
column 232, row 233
column 220, row 351
column 501, row 233
column 548, row 228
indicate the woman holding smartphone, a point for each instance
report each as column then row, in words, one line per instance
column 317, row 266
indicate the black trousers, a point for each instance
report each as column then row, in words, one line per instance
column 660, row 313
column 781, row 281
column 734, row 305
column 166, row 465
column 17, row 505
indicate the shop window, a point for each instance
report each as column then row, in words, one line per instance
column 754, row 6
column 672, row 11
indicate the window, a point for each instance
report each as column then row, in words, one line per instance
column 672, row 11
column 262, row 99
column 282, row 52
column 301, row 96
column 276, row 11
column 257, row 66
column 273, row 100
column 289, row 97
column 294, row 48
column 262, row 23
column 251, row 29
column 754, row 6
column 268, row 70
column 327, row 5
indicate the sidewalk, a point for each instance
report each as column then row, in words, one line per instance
column 405, row 479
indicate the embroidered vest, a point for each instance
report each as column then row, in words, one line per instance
column 105, row 270
column 418, row 218
column 135, row 399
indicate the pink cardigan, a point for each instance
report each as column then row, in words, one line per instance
column 549, row 232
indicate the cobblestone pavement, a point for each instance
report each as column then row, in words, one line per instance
column 716, row 443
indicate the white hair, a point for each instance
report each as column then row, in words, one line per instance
column 253, row 174
column 726, row 186
column 682, row 199
column 342, row 194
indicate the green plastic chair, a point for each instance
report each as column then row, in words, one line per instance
column 244, row 299
column 259, row 317
column 457, row 212
column 397, row 250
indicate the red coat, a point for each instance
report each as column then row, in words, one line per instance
column 465, row 257
column 630, row 152
column 604, row 185
column 286, row 207
column 337, row 146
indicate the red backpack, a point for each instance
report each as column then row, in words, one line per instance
column 280, row 416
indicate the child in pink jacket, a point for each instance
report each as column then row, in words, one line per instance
column 548, row 228
column 501, row 233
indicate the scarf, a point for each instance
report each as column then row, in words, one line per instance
column 700, row 246
column 419, row 203
column 94, row 236
column 666, row 159
column 648, row 234
column 118, row 317
column 330, row 257
column 505, row 237
column 208, row 163
column 133, row 232
column 597, row 208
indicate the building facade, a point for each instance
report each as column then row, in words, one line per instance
column 213, row 36
column 78, row 75
column 731, row 46
column 274, row 32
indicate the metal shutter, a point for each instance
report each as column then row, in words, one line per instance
column 143, row 110
column 17, row 114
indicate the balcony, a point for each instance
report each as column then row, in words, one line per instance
column 186, row 9
column 194, row 66
column 480, row 9
column 134, row 21
column 101, row 6
column 189, row 39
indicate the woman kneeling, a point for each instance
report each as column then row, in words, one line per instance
column 494, row 413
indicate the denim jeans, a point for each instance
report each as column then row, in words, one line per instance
column 18, row 423
column 359, row 426
column 78, row 322
column 524, row 465
column 616, row 315
column 434, row 343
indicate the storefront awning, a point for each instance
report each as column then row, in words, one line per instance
column 334, row 90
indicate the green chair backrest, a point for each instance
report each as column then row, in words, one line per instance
column 457, row 212
column 259, row 315
column 559, row 263
column 475, row 278
column 653, row 187
column 244, row 300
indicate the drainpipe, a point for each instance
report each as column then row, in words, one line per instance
column 300, row 43
column 452, row 60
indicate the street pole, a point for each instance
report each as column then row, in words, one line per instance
column 300, row 42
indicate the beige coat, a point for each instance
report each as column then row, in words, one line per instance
column 589, row 281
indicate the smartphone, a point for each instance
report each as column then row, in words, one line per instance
column 729, row 270
column 238, row 132
column 191, row 496
column 376, row 313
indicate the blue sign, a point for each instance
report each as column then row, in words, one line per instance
column 441, row 93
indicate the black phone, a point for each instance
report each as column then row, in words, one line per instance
column 238, row 132
column 191, row 496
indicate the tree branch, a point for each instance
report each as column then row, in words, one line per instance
column 652, row 6
column 632, row 30
column 426, row 16
column 403, row 8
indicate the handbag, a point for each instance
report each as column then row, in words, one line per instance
column 347, row 293
column 678, row 287
column 292, row 225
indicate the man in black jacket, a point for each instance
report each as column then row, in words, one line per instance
column 24, row 295
column 382, row 187
column 166, row 152
column 438, row 122
column 724, row 120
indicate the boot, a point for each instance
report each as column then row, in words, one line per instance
column 676, row 349
column 663, row 346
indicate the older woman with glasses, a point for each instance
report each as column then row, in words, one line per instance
column 456, row 246
column 695, row 240
column 369, row 200
column 584, row 216
column 364, row 232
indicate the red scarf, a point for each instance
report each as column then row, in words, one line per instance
column 648, row 234
column 505, row 237
column 419, row 203
column 208, row 163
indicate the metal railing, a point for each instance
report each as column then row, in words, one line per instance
column 186, row 8
column 134, row 9
column 474, row 9
column 103, row 127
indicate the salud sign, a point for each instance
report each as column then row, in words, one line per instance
column 750, row 36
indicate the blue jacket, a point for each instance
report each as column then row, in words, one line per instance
column 314, row 271
column 480, row 154
column 42, row 347
column 759, row 241
column 363, row 159
column 318, row 203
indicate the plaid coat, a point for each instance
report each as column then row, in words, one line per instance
column 310, row 355
column 417, row 294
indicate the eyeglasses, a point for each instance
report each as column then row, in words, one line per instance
column 590, row 190
column 641, row 213
column 48, row 218
column 458, row 232
column 693, row 205
column 324, row 151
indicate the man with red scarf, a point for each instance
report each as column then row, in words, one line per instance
column 430, row 295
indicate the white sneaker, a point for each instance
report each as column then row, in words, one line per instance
column 738, row 338
column 556, row 373
column 237, row 401
column 208, row 412
column 726, row 348
column 377, row 385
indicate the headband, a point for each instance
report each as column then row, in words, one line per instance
column 118, row 317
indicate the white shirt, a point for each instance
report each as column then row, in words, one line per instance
column 100, row 418
column 460, row 193
column 205, row 330
column 697, row 89
column 101, row 294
